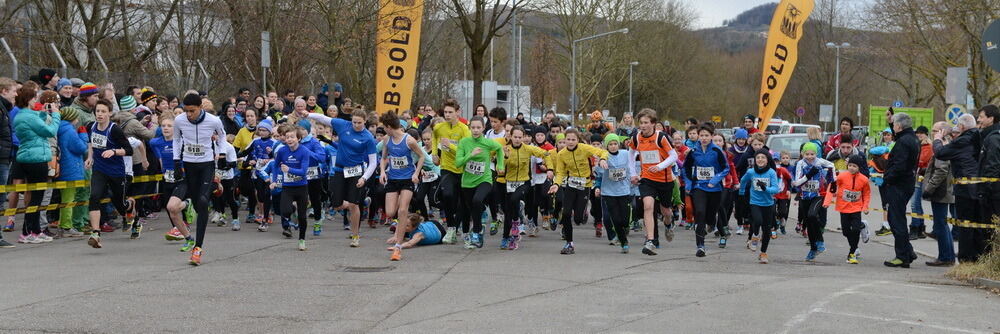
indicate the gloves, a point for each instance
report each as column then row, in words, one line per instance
column 761, row 185
column 812, row 172
column 833, row 187
column 178, row 171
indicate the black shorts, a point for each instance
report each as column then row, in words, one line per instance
column 345, row 190
column 16, row 172
column 395, row 186
column 661, row 191
column 169, row 190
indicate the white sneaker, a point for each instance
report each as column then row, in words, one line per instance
column 214, row 217
column 865, row 233
column 739, row 231
column 73, row 233
column 43, row 238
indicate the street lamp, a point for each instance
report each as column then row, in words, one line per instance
column 630, row 66
column 836, row 101
column 572, row 81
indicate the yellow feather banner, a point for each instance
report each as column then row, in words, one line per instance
column 781, row 54
column 397, row 53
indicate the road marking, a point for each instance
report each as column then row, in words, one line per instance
column 906, row 322
column 820, row 305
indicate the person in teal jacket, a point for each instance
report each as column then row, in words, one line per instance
column 34, row 128
column 473, row 156
column 73, row 141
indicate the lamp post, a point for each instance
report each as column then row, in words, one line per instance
column 630, row 66
column 572, row 81
column 836, row 100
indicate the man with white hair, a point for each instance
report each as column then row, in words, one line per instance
column 963, row 153
column 900, row 176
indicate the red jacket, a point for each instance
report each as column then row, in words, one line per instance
column 786, row 179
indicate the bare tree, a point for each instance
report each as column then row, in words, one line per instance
column 481, row 21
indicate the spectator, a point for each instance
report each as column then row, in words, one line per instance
column 816, row 137
column 126, row 119
column 7, row 93
column 846, row 125
column 597, row 124
column 73, row 140
column 47, row 79
column 66, row 92
column 521, row 120
column 34, row 128
column 85, row 103
column 989, row 166
column 937, row 188
column 917, row 229
column 289, row 99
column 627, row 126
column 749, row 122
column 963, row 153
column 899, row 179
column 229, row 121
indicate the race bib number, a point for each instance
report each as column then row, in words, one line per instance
column 429, row 176
column 766, row 181
column 399, row 162
column 291, row 177
column 576, row 182
column 195, row 150
column 312, row 173
column 512, row 186
column 261, row 165
column 811, row 186
column 649, row 157
column 168, row 176
column 475, row 167
column 617, row 174
column 705, row 173
column 852, row 196
column 352, row 171
column 98, row 140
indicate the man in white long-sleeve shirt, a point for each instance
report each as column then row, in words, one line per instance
column 355, row 164
column 198, row 141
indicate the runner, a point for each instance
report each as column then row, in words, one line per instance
column 573, row 174
column 415, row 232
column 355, row 164
column 760, row 183
column 225, row 175
column 539, row 201
column 474, row 153
column 614, row 187
column 400, row 178
column 654, row 152
column 812, row 174
column 704, row 169
column 255, row 157
column 517, row 176
column 444, row 144
column 108, row 147
column 425, row 197
column 292, row 162
column 173, row 194
column 316, row 176
column 200, row 136
column 852, row 194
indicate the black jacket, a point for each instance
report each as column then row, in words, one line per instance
column 6, row 138
column 963, row 153
column 902, row 166
column 989, row 162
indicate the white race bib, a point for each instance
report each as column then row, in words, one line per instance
column 399, row 162
column 704, row 173
column 312, row 173
column 98, row 140
column 195, row 150
column 617, row 174
column 576, row 182
column 475, row 167
column 767, row 183
column 429, row 176
column 811, row 186
column 650, row 157
column 168, row 176
column 512, row 186
column 350, row 172
column 852, row 196
column 444, row 147
column 291, row 177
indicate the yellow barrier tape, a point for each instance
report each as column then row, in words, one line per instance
column 56, row 206
column 68, row 184
column 953, row 221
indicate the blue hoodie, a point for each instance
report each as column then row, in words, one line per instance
column 713, row 158
column 73, row 149
column 759, row 197
column 619, row 163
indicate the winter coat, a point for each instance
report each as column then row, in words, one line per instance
column 989, row 162
column 938, row 182
column 34, row 133
column 6, row 131
column 131, row 126
column 963, row 153
column 73, row 148
column 903, row 156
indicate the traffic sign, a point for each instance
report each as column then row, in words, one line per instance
column 825, row 113
column 717, row 119
column 800, row 111
column 954, row 112
column 991, row 45
column 897, row 104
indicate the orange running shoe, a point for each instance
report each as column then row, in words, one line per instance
column 196, row 256
column 397, row 254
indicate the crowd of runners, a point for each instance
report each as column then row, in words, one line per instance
column 299, row 163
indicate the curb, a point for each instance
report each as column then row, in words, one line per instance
column 986, row 283
column 919, row 252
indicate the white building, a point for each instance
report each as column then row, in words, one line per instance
column 514, row 99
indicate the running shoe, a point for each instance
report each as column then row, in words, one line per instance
column 852, row 259
column 72, row 233
column 188, row 245
column 317, row 228
column 739, row 230
column 624, row 249
column 516, row 229
column 397, row 254
column 553, row 222
column 820, row 247
column 722, row 242
column 648, row 248
column 173, row 235
column 865, row 232
column 716, row 232
column 468, row 242
column 253, row 219
column 449, row 236
column 613, row 242
column 42, row 237
column 782, row 229
column 504, row 242
column 196, row 256
column 700, row 252
column 347, row 225
column 568, row 249
column 5, row 244
column 798, row 228
column 656, row 242
column 883, row 232
column 762, row 258
column 95, row 240
column 236, row 224
column 136, row 230
column 598, row 229
column 28, row 239
column 669, row 233
column 545, row 219
column 302, row 245
column 636, row 226
column 9, row 227
column 287, row 232
column 532, row 229
column 477, row 239
column 687, row 227
column 262, row 227
column 494, row 227
column 514, row 243
column 214, row 217
column 355, row 241
column 896, row 263
column 811, row 255
column 107, row 228
column 752, row 244
column 774, row 234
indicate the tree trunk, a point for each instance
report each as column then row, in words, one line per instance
column 477, row 79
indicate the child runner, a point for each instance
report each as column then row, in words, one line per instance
column 760, row 183
column 573, row 173
column 783, row 199
column 517, row 174
column 414, row 232
column 172, row 192
column 257, row 155
column 108, row 147
column 315, row 176
column 852, row 193
column 811, row 175
column 614, row 188
column 225, row 173
column 474, row 154
column 292, row 162
column 402, row 175
column 444, row 144
column 654, row 152
column 705, row 168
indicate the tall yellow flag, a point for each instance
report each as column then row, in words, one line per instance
column 396, row 55
column 781, row 54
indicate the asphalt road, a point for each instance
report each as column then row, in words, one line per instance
column 254, row 282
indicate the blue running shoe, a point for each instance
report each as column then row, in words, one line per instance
column 811, row 256
column 477, row 239
column 503, row 243
column 820, row 247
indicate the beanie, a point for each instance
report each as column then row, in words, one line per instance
column 595, row 137
column 266, row 125
column 810, row 147
column 77, row 82
column 337, row 87
column 63, row 83
column 126, row 103
column 69, row 114
column 146, row 97
column 560, row 136
column 46, row 74
column 857, row 160
column 610, row 138
column 88, row 88
column 741, row 133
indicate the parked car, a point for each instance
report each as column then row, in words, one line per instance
column 790, row 142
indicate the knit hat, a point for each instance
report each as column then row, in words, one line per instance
column 266, row 125
column 857, row 160
column 560, row 136
column 750, row 117
column 146, row 97
column 810, row 147
column 77, row 82
column 922, row 129
column 126, row 103
column 69, row 114
column 741, row 133
column 63, row 83
column 596, row 115
column 776, row 155
column 46, row 74
column 88, row 89
column 596, row 137
column 337, row 87
column 610, row 138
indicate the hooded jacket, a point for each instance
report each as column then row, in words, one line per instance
column 131, row 126
column 73, row 149
column 34, row 133
column 938, row 186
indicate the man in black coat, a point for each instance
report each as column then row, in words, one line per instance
column 900, row 177
column 7, row 93
column 963, row 153
column 989, row 166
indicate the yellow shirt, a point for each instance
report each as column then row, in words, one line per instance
column 576, row 164
column 454, row 133
column 518, row 161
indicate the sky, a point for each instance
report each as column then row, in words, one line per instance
column 711, row 13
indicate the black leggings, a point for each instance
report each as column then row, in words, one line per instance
column 248, row 190
column 495, row 201
column 617, row 209
column 705, row 204
column 475, row 204
column 725, row 209
column 299, row 195
column 199, row 176
column 595, row 207
column 34, row 173
column 574, row 206
column 227, row 198
column 423, row 198
column 742, row 209
column 761, row 220
column 538, row 199
column 813, row 225
column 513, row 202
column 99, row 185
column 452, row 200
column 850, row 226
column 316, row 197
column 264, row 196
